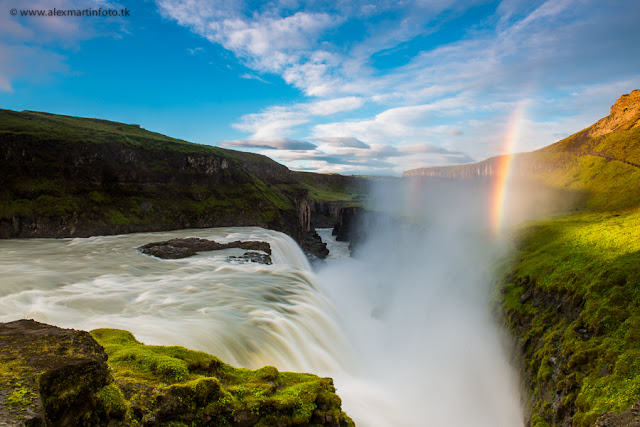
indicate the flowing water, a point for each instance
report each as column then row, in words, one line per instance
column 405, row 347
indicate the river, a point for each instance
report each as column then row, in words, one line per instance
column 406, row 338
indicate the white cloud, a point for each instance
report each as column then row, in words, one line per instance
column 336, row 105
column 275, row 122
column 279, row 121
column 446, row 102
column 348, row 141
column 410, row 123
column 195, row 50
column 267, row 42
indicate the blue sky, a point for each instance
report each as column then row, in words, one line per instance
column 361, row 87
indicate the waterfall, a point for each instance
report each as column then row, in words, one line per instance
column 249, row 315
column 403, row 331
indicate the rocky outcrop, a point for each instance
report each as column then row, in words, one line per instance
column 49, row 375
column 347, row 224
column 628, row 418
column 63, row 377
column 186, row 247
column 486, row 168
column 325, row 214
column 313, row 247
column 624, row 115
column 558, row 387
column 265, row 168
column 255, row 257
column 332, row 193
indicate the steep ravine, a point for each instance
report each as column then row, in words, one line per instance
column 570, row 296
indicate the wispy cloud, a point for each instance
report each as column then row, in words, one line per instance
column 270, row 144
column 248, row 76
column 195, row 50
column 278, row 121
column 390, row 84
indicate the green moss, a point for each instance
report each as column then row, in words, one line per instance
column 538, row 421
column 117, row 218
column 21, row 396
column 198, row 386
column 591, row 262
column 111, row 402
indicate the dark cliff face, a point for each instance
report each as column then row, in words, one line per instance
column 329, row 193
column 88, row 163
column 70, row 177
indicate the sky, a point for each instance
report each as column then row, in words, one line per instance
column 351, row 87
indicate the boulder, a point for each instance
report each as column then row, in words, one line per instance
column 184, row 248
column 49, row 375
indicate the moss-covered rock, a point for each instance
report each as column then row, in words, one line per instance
column 163, row 385
column 49, row 375
column 61, row 377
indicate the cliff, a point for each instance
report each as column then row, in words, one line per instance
column 569, row 294
column 624, row 115
column 65, row 176
column 64, row 377
column 485, row 168
column 329, row 193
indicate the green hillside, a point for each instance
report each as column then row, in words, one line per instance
column 571, row 293
column 64, row 176
column 606, row 167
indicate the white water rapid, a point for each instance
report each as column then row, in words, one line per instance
column 249, row 315
column 404, row 330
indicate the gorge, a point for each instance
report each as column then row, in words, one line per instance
column 404, row 328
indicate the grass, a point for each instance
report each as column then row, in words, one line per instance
column 571, row 293
column 331, row 193
column 590, row 261
column 334, row 188
column 67, row 129
column 611, row 185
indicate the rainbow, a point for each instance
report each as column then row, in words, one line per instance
column 503, row 167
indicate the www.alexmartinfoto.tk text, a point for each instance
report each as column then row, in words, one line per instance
column 71, row 12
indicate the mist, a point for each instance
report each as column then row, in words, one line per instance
column 414, row 305
column 404, row 327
